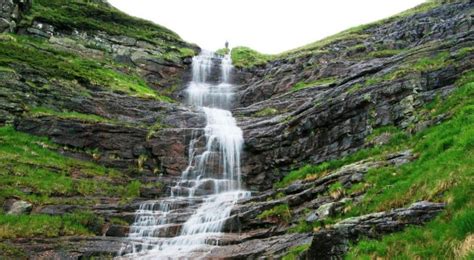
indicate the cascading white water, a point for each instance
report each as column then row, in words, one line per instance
column 210, row 186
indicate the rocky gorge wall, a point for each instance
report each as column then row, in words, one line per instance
column 365, row 79
column 105, row 91
column 128, row 116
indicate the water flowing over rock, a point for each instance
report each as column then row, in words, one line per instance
column 191, row 220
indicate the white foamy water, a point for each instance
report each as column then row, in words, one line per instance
column 189, row 223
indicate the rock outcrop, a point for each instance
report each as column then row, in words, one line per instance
column 11, row 12
column 284, row 127
column 334, row 243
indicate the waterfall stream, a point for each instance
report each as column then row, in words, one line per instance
column 208, row 188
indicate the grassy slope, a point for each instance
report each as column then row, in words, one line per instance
column 85, row 15
column 354, row 33
column 17, row 51
column 244, row 57
column 443, row 172
column 33, row 171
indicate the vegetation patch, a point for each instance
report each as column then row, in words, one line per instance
column 32, row 171
column 43, row 57
column 357, row 33
column 43, row 111
column 92, row 16
column 384, row 53
column 46, row 226
column 425, row 64
column 243, row 57
column 280, row 213
column 268, row 111
column 8, row 251
column 304, row 84
column 223, row 51
column 295, row 252
column 443, row 172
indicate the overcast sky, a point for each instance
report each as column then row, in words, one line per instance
column 269, row 26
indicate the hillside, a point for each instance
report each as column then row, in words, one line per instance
column 358, row 146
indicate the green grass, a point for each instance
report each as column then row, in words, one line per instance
column 357, row 33
column 43, row 111
column 337, row 186
column 8, row 251
column 384, row 53
column 46, row 226
column 295, row 251
column 87, row 16
column 186, row 52
column 442, row 172
column 243, row 57
column 425, row 64
column 223, row 51
column 354, row 88
column 281, row 213
column 304, row 84
column 268, row 111
column 33, row 171
column 45, row 58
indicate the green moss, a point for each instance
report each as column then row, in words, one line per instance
column 357, row 48
column 7, row 70
column 384, row 130
column 88, row 16
column 187, row 52
column 43, row 111
column 384, row 53
column 304, row 84
column 155, row 128
column 281, row 213
column 357, row 33
column 223, row 51
column 45, row 58
column 354, row 88
column 464, row 51
column 424, row 64
column 302, row 227
column 442, row 172
column 337, row 186
column 33, row 171
column 46, row 226
column 118, row 221
column 8, row 251
column 268, row 111
column 133, row 189
column 295, row 252
column 243, row 57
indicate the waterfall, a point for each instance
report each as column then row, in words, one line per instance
column 208, row 188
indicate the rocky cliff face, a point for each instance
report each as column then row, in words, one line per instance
column 365, row 79
column 106, row 89
column 131, row 114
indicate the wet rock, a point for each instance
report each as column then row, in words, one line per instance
column 117, row 231
column 334, row 243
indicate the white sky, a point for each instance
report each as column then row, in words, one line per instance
column 269, row 26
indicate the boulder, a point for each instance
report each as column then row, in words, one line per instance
column 322, row 212
column 19, row 207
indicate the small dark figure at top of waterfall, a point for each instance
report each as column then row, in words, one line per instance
column 226, row 44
